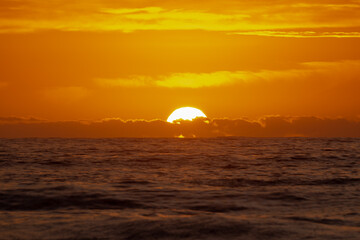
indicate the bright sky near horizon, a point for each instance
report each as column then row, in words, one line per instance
column 141, row 59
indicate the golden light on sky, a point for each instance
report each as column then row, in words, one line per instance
column 185, row 113
column 99, row 59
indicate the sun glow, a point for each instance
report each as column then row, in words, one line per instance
column 185, row 113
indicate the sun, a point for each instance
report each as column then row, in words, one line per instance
column 185, row 113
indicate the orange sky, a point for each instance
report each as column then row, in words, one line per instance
column 96, row 59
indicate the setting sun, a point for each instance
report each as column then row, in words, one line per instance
column 185, row 113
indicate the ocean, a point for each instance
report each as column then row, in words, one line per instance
column 211, row 188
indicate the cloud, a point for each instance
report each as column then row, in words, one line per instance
column 22, row 120
column 308, row 71
column 272, row 126
column 258, row 17
column 301, row 34
column 180, row 80
column 133, row 81
column 191, row 80
column 66, row 94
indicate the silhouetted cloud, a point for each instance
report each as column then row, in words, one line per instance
column 273, row 126
column 22, row 120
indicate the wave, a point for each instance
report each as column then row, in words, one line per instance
column 243, row 182
column 12, row 201
column 231, row 188
column 326, row 221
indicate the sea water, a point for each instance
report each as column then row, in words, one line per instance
column 215, row 188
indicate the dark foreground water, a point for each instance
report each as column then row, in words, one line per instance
column 221, row 188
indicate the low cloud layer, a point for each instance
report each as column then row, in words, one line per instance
column 274, row 126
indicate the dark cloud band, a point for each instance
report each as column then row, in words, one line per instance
column 266, row 127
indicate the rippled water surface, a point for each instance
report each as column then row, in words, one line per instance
column 220, row 188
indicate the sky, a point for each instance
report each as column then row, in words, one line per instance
column 90, row 60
